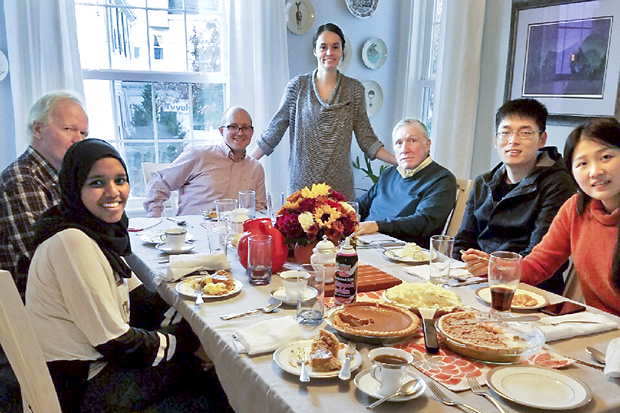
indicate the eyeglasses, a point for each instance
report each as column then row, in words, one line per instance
column 236, row 128
column 524, row 135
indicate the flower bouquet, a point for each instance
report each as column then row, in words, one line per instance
column 309, row 214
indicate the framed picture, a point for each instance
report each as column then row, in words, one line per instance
column 566, row 55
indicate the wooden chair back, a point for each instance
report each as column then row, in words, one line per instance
column 463, row 188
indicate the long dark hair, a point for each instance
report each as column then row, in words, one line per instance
column 605, row 131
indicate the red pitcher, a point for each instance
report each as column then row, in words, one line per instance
column 255, row 226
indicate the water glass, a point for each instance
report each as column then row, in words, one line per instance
column 504, row 276
column 259, row 259
column 223, row 208
column 274, row 203
column 356, row 207
column 441, row 258
column 310, row 305
column 247, row 201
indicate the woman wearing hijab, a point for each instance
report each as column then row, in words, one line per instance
column 78, row 298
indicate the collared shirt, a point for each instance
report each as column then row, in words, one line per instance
column 28, row 187
column 408, row 173
column 202, row 175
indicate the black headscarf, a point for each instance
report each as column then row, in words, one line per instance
column 113, row 239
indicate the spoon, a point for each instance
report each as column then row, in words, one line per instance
column 178, row 221
column 406, row 389
column 269, row 308
column 596, row 354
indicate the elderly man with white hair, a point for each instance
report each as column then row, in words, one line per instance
column 28, row 186
column 410, row 201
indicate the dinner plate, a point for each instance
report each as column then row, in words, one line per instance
column 539, row 387
column 286, row 358
column 484, row 294
column 393, row 255
column 307, row 294
column 299, row 16
column 348, row 53
column 362, row 9
column 368, row 385
column 184, row 287
column 188, row 246
column 154, row 236
column 374, row 97
column 374, row 53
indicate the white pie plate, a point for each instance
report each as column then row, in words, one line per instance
column 539, row 387
column 485, row 295
column 184, row 287
column 368, row 385
column 286, row 358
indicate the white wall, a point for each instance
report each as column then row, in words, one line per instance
column 7, row 129
column 384, row 24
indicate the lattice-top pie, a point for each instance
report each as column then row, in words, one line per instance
column 374, row 320
column 474, row 334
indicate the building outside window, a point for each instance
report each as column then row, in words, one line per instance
column 153, row 105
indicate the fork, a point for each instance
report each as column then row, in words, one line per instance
column 477, row 389
column 302, row 360
column 345, row 371
column 446, row 400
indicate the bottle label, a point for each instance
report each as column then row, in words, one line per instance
column 345, row 283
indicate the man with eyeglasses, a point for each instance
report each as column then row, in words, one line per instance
column 203, row 174
column 511, row 207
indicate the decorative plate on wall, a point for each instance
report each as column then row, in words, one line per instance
column 348, row 51
column 362, row 9
column 299, row 16
column 374, row 97
column 374, row 53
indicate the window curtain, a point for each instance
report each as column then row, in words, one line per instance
column 457, row 87
column 43, row 55
column 258, row 68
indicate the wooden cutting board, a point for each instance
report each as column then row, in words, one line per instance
column 369, row 278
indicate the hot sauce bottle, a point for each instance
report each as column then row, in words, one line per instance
column 345, row 278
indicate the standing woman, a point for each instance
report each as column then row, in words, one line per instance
column 78, row 298
column 322, row 109
column 586, row 227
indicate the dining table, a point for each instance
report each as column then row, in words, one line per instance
column 257, row 384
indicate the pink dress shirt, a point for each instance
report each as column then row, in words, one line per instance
column 203, row 174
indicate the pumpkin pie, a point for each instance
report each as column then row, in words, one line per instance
column 374, row 320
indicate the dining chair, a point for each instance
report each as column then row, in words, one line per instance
column 21, row 345
column 463, row 188
column 148, row 169
column 572, row 287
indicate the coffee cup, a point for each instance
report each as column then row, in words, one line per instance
column 389, row 368
column 175, row 238
column 292, row 281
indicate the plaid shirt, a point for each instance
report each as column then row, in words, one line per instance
column 28, row 187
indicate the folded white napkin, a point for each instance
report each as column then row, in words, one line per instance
column 423, row 271
column 612, row 358
column 268, row 335
column 568, row 329
column 181, row 265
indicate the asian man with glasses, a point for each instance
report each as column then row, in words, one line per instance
column 511, row 207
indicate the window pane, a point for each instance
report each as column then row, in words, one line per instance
column 92, row 37
column 208, row 110
column 204, row 43
column 434, row 45
column 167, row 36
column 171, row 101
column 427, row 107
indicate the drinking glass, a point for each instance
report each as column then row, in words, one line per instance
column 504, row 276
column 440, row 258
column 356, row 207
column 274, row 203
column 223, row 208
column 247, row 201
column 311, row 296
column 259, row 259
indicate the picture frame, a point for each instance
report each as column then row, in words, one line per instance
column 566, row 54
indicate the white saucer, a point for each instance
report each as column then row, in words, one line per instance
column 154, row 236
column 188, row 246
column 368, row 385
column 307, row 294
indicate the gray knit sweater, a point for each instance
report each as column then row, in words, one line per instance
column 320, row 132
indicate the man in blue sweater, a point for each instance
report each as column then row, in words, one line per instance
column 410, row 201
